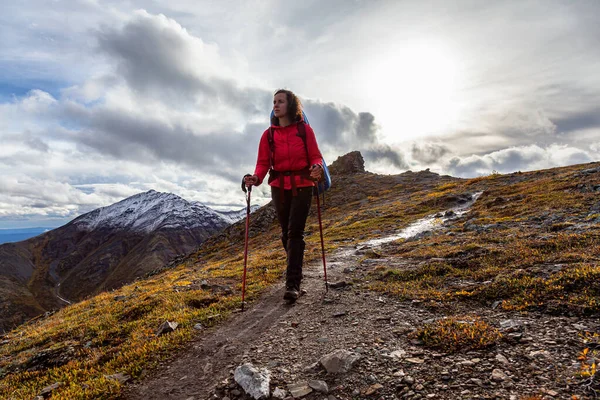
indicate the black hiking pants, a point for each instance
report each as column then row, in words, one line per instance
column 292, row 213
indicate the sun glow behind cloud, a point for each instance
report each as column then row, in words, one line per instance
column 416, row 84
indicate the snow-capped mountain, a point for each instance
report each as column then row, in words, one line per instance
column 102, row 250
column 150, row 211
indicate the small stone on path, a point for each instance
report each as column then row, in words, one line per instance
column 498, row 375
column 319, row 386
column 299, row 389
column 398, row 354
column 500, row 358
column 374, row 388
column 338, row 285
column 279, row 393
column 339, row 361
column 255, row 382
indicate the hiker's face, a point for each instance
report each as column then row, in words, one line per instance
column 280, row 105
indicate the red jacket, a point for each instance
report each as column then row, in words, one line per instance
column 290, row 154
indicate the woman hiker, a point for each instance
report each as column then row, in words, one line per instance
column 293, row 169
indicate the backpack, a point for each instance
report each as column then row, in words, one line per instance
column 325, row 183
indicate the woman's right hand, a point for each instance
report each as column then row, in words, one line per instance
column 251, row 180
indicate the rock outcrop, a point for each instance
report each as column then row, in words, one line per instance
column 348, row 164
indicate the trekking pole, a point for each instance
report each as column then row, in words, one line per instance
column 322, row 243
column 249, row 191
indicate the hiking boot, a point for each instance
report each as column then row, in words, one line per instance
column 291, row 294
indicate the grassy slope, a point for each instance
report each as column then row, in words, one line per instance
column 115, row 332
column 540, row 249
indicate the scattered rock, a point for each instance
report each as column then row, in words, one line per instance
column 551, row 393
column 476, row 381
column 319, row 386
column 339, row 361
column 49, row 389
column 510, row 325
column 279, row 393
column 502, row 359
column 120, row 377
column 255, row 382
column 398, row 354
column 373, row 388
column 498, row 375
column 298, row 390
column 338, row 285
column 539, row 354
column 166, row 327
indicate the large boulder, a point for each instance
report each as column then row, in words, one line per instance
column 351, row 163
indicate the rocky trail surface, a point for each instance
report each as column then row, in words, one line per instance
column 535, row 359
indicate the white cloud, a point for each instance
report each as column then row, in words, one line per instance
column 110, row 99
column 523, row 158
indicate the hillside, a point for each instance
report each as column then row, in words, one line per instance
column 99, row 251
column 474, row 288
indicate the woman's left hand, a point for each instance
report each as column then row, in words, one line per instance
column 316, row 171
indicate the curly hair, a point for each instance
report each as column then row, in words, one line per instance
column 294, row 107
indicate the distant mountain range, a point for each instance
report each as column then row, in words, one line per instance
column 101, row 250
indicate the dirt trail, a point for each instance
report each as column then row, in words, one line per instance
column 208, row 358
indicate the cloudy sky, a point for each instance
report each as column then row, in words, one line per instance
column 100, row 100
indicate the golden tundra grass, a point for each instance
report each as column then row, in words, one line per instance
column 81, row 345
column 522, row 262
column 458, row 333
